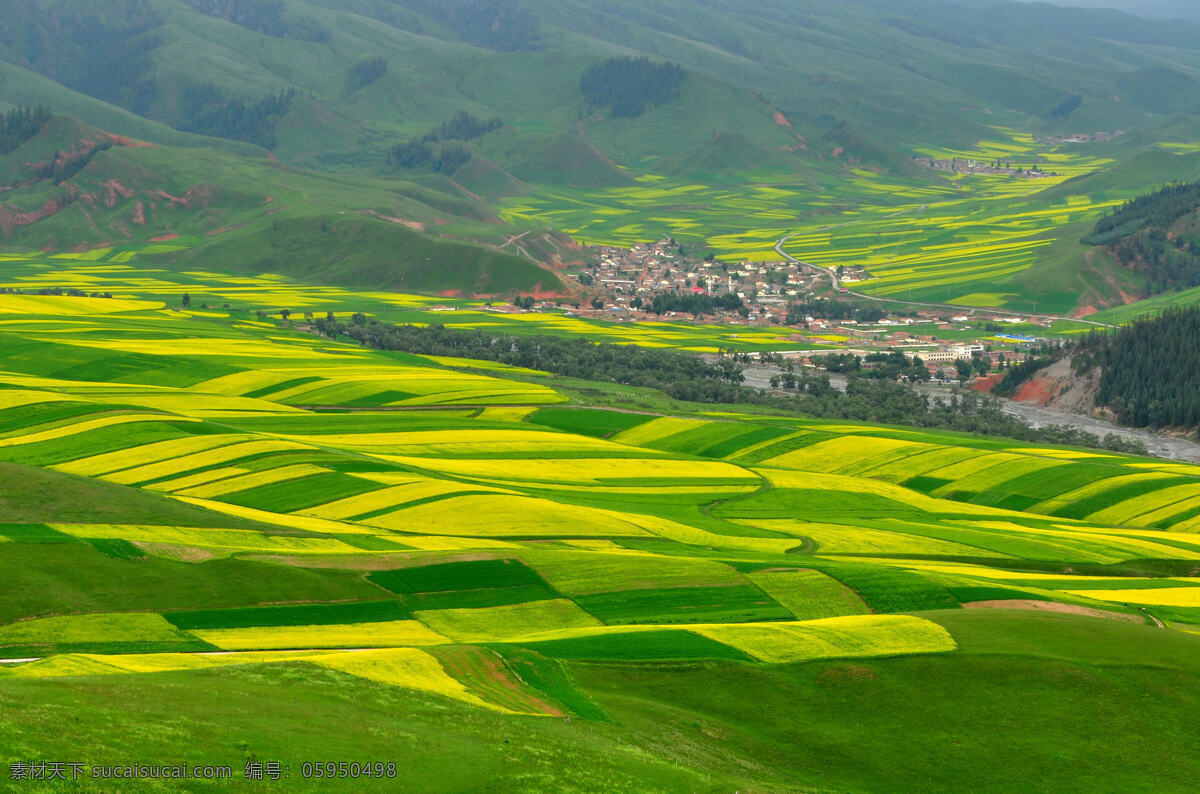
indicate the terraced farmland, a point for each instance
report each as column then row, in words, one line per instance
column 307, row 512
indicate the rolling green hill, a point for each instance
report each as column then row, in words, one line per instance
column 73, row 187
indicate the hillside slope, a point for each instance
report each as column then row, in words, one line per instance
column 74, row 187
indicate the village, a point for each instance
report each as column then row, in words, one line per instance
column 961, row 165
column 647, row 271
column 660, row 281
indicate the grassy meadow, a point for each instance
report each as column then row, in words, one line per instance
column 433, row 552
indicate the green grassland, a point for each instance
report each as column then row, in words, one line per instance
column 253, row 513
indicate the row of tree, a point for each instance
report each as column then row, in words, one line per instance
column 501, row 25
column 60, row 168
column 892, row 365
column 20, row 124
column 828, row 309
column 440, row 148
column 688, row 377
column 1159, row 209
column 630, row 85
column 365, row 72
column 1168, row 263
column 694, row 304
column 71, row 291
column 210, row 112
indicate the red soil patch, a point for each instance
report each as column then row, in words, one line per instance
column 162, row 238
column 441, row 221
column 139, row 214
column 986, row 384
column 838, row 151
column 1037, row 390
column 129, row 143
column 268, row 199
column 781, row 120
column 115, row 192
column 91, row 222
column 450, row 293
column 464, row 190
column 414, row 225
column 540, row 294
column 9, row 219
column 196, row 196
column 1084, row 311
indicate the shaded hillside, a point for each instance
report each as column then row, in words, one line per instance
column 1158, row 235
column 1150, row 370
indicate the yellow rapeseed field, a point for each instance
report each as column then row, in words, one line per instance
column 127, row 627
column 397, row 633
column 411, row 668
column 507, row 623
column 831, row 638
column 504, row 516
column 1161, row 596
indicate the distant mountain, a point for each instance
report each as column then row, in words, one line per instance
column 333, row 84
column 1149, row 9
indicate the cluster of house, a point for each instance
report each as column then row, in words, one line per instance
column 962, row 165
column 647, row 270
column 1081, row 138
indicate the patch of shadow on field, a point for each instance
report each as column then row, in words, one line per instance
column 1052, row 606
column 79, row 500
